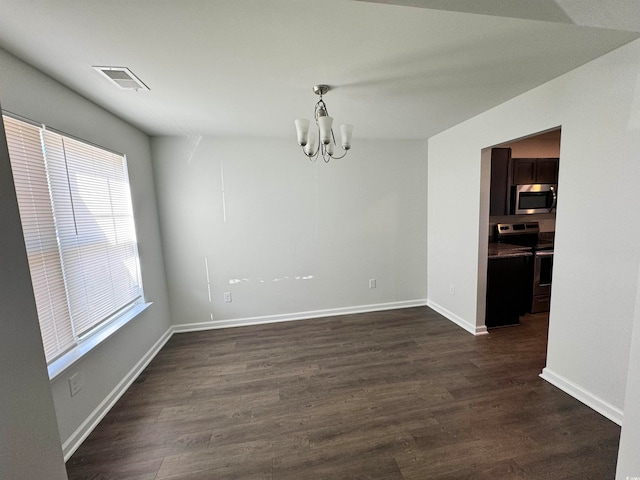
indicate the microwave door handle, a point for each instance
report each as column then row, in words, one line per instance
column 555, row 198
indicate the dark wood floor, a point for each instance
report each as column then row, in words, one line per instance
column 403, row 394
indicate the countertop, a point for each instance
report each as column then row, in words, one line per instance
column 506, row 250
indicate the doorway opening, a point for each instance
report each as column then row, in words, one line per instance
column 517, row 230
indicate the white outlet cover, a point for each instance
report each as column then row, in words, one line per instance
column 75, row 383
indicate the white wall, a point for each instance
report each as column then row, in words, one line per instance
column 628, row 458
column 27, row 92
column 545, row 145
column 595, row 270
column 28, row 425
column 286, row 236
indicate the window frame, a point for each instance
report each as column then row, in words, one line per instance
column 63, row 358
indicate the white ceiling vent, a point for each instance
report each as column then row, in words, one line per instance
column 122, row 77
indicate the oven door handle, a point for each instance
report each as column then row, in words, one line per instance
column 555, row 198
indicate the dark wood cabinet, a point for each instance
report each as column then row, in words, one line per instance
column 535, row 170
column 508, row 290
column 524, row 170
column 547, row 170
column 500, row 184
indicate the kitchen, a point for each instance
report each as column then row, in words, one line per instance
column 523, row 199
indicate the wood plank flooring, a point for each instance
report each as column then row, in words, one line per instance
column 403, row 394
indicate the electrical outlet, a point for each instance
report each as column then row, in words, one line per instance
column 452, row 289
column 75, row 383
column 372, row 283
column 227, row 297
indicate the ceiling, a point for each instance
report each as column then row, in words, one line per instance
column 404, row 69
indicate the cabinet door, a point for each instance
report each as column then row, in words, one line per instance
column 508, row 290
column 524, row 170
column 547, row 170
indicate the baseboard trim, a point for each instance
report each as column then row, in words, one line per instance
column 288, row 317
column 473, row 329
column 601, row 406
column 91, row 422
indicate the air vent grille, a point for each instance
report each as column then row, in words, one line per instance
column 122, row 77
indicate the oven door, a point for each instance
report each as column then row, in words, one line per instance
column 535, row 198
column 542, row 271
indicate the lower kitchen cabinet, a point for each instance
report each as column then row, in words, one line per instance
column 508, row 290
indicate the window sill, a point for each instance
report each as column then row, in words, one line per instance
column 92, row 341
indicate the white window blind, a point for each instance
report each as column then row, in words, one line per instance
column 76, row 213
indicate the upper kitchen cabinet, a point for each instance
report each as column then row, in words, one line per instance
column 534, row 170
column 547, row 170
column 524, row 170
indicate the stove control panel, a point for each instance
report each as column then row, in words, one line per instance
column 518, row 228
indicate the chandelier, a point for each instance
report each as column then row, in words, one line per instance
column 327, row 143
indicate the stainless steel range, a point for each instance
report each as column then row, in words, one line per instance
column 528, row 234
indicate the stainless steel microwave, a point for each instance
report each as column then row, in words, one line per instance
column 534, row 198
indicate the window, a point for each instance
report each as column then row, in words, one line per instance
column 75, row 207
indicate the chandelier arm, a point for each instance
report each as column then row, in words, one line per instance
column 341, row 156
column 326, row 154
column 319, row 140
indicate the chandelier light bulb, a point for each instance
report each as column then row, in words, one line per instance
column 325, row 129
column 346, row 131
column 310, row 149
column 302, row 129
column 329, row 149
